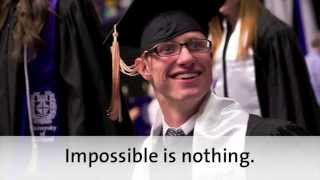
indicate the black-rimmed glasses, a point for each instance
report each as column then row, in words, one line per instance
column 173, row 48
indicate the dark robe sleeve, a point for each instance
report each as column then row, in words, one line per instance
column 285, row 90
column 85, row 69
column 6, row 122
column 258, row 126
column 10, row 84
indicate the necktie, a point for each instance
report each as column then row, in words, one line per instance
column 173, row 132
column 173, row 170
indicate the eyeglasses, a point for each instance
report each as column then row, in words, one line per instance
column 173, row 48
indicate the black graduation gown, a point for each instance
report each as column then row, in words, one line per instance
column 258, row 126
column 84, row 74
column 282, row 80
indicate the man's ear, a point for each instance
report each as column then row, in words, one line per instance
column 143, row 68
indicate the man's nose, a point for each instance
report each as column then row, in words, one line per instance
column 185, row 57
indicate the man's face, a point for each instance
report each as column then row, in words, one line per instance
column 184, row 76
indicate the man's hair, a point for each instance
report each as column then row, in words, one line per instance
column 31, row 16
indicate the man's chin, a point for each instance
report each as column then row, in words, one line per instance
column 188, row 95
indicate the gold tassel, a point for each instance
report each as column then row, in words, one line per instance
column 117, row 65
column 115, row 98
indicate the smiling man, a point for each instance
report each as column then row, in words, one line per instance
column 171, row 51
column 174, row 55
column 177, row 67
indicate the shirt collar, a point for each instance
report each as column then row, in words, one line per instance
column 186, row 127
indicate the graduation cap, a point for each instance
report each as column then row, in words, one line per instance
column 130, row 36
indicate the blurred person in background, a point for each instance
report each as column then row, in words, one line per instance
column 258, row 63
column 55, row 72
column 143, row 112
column 313, row 63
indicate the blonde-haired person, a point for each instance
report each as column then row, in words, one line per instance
column 257, row 62
column 54, row 74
